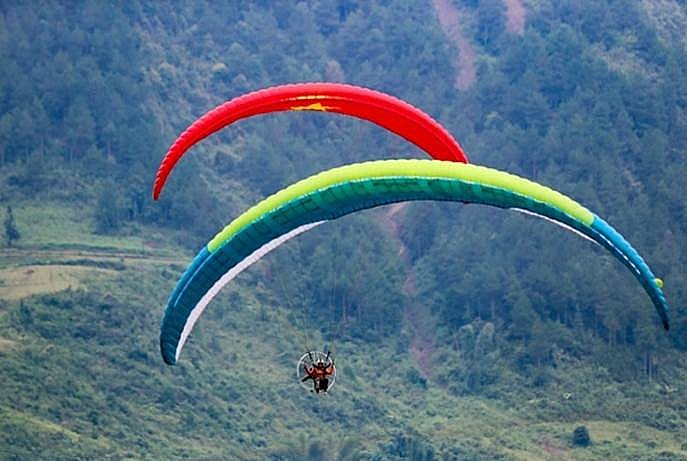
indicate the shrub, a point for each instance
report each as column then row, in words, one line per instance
column 581, row 437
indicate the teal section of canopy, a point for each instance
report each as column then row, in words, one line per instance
column 175, row 316
column 622, row 250
column 330, row 200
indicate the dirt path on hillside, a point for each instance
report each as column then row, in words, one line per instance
column 47, row 255
column 417, row 316
column 450, row 20
column 515, row 17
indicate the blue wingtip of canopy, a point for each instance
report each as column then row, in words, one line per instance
column 617, row 244
column 168, row 357
column 174, row 319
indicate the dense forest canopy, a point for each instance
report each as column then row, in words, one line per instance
column 587, row 97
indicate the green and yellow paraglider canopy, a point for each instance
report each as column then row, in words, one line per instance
column 344, row 190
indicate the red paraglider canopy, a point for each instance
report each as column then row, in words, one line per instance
column 387, row 111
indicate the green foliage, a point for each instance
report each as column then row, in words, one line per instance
column 109, row 214
column 580, row 437
column 304, row 448
column 11, row 232
column 404, row 446
column 327, row 278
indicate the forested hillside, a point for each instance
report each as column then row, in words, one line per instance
column 462, row 331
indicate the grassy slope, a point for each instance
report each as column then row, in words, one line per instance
column 82, row 377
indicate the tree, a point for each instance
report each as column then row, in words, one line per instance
column 11, row 232
column 581, row 437
column 491, row 21
column 108, row 213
